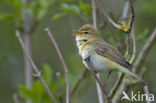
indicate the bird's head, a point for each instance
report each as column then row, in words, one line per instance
column 85, row 33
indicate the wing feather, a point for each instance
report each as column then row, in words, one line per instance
column 108, row 51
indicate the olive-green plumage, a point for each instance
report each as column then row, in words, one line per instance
column 103, row 56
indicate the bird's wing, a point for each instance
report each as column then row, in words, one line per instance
column 110, row 52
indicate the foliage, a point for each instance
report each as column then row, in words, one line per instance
column 37, row 93
column 36, row 10
column 81, row 9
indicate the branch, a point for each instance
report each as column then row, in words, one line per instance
column 117, row 85
column 81, row 78
column 132, row 17
column 35, row 68
column 144, row 51
column 146, row 90
column 99, row 91
column 62, row 61
column 94, row 14
column 97, row 79
column 124, row 15
column 121, row 77
column 125, row 10
column 131, row 23
column 134, row 46
column 122, row 27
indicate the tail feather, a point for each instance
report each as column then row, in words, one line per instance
column 130, row 73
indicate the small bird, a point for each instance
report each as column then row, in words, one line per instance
column 101, row 55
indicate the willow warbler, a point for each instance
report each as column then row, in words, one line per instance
column 103, row 56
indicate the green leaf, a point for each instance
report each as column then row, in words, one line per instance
column 47, row 73
column 58, row 15
column 41, row 13
column 37, row 90
column 85, row 8
column 70, row 9
column 25, row 93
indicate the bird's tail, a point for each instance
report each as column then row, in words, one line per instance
column 128, row 72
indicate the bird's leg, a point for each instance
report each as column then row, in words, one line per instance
column 104, row 84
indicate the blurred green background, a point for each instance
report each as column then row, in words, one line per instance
column 63, row 16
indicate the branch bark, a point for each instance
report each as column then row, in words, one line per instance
column 62, row 62
column 28, row 44
column 121, row 77
column 142, row 55
column 134, row 46
column 121, row 27
column 38, row 73
column 94, row 13
column 145, row 50
column 97, row 79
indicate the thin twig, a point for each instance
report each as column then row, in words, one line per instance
column 146, row 90
column 94, row 14
column 35, row 68
column 106, row 16
column 124, row 15
column 145, row 50
column 117, row 85
column 62, row 61
column 131, row 24
column 81, row 78
column 125, row 10
column 118, row 26
column 143, row 53
column 99, row 91
column 133, row 15
column 121, row 77
column 128, row 45
column 134, row 45
column 97, row 79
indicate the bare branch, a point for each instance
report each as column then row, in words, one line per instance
column 125, row 13
column 144, row 51
column 106, row 16
column 94, row 14
column 122, row 27
column 147, row 92
column 134, row 46
column 128, row 39
column 62, row 61
column 121, row 77
column 117, row 85
column 99, row 91
column 97, row 79
column 132, row 18
column 35, row 68
column 125, row 10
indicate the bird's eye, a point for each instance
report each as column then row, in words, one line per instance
column 85, row 40
column 86, row 32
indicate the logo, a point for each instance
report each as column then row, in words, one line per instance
column 137, row 96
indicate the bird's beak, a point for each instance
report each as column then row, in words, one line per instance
column 78, row 33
